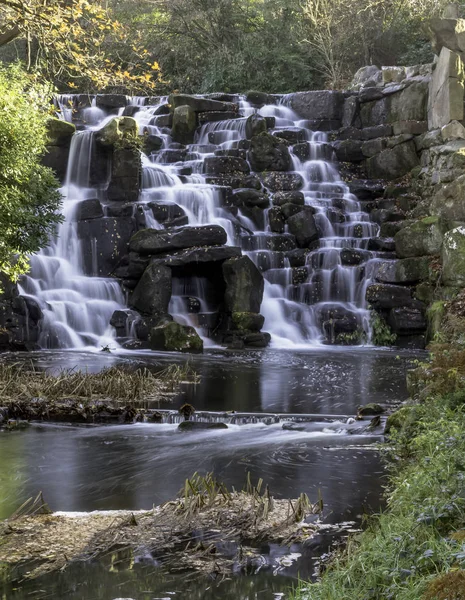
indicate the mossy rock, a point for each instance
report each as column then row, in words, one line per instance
column 422, row 238
column 248, row 321
column 173, row 337
column 184, row 124
column 370, row 409
column 435, row 316
column 59, row 133
column 117, row 130
column 453, row 257
column 399, row 419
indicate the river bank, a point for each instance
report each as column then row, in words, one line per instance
column 416, row 548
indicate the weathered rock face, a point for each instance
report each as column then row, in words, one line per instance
column 384, row 296
column 201, row 105
column 405, row 271
column 446, row 90
column 302, row 225
column 254, row 126
column 422, row 238
column 449, row 201
column 153, row 292
column 453, row 257
column 125, row 175
column 393, row 163
column 318, row 106
column 157, row 241
column 244, row 286
column 19, row 319
column 267, row 153
column 184, row 125
column 116, row 130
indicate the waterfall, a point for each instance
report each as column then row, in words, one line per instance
column 302, row 300
column 76, row 308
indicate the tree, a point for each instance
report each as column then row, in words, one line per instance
column 77, row 43
column 29, row 196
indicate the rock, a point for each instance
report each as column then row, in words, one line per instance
column 259, row 99
column 349, row 150
column 453, row 257
column 157, row 241
column 317, row 105
column 407, row 320
column 121, row 320
column 393, row 163
column 446, row 91
column 365, row 189
column 244, row 286
column 383, row 215
column 249, row 198
column 372, row 147
column 351, row 112
column 368, row 410
column 368, row 94
column 126, row 169
column 447, row 33
column 200, row 426
column 59, row 132
column 268, row 153
column 399, row 418
column 374, row 113
column 152, row 143
column 404, row 271
column 292, row 136
column 354, row 256
column 215, row 116
column 410, row 127
column 195, row 256
column 421, row 238
column 103, row 242
column 173, row 337
column 116, row 130
column 89, row 209
column 379, row 244
column 377, row 131
column 184, row 125
column 393, row 74
column 153, row 292
column 257, row 340
column 246, row 321
column 111, row 100
column 449, row 201
column 366, row 75
column 410, row 104
column 283, row 182
column 302, row 225
column 166, row 211
column 201, row 105
column 225, row 165
column 453, row 131
column 255, row 125
column 385, row 296
column 281, row 198
column 277, row 220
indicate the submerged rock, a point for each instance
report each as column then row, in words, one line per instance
column 200, row 426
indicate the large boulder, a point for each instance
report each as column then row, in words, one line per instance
column 268, row 153
column 59, row 134
column 89, row 209
column 153, row 292
column 422, row 238
column 449, row 201
column 453, row 257
column 394, row 162
column 316, row 105
column 111, row 101
column 195, row 256
column 255, row 125
column 446, row 92
column 244, row 286
column 157, row 241
column 173, row 337
column 302, row 225
column 116, row 130
column 407, row 320
column 447, row 33
column 410, row 104
column 184, row 125
column 225, row 165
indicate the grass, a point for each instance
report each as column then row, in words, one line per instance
column 416, row 549
column 22, row 382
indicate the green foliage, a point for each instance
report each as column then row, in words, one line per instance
column 416, row 549
column 381, row 334
column 29, row 196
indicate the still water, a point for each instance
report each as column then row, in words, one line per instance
column 137, row 466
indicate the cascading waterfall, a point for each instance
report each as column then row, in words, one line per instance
column 77, row 307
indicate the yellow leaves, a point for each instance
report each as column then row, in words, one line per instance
column 71, row 84
column 155, row 66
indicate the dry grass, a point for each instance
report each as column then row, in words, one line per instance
column 19, row 382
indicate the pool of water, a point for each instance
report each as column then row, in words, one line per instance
column 137, row 466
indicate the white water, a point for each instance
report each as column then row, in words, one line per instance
column 77, row 308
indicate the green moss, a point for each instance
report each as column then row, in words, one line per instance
column 435, row 315
column 370, row 409
column 179, row 338
column 381, row 333
column 247, row 321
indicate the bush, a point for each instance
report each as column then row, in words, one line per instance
column 29, row 196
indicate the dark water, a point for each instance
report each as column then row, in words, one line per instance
column 136, row 466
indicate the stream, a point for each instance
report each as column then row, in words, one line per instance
column 136, row 466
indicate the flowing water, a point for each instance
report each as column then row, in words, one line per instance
column 78, row 305
column 136, row 466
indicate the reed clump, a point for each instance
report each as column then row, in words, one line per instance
column 23, row 382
